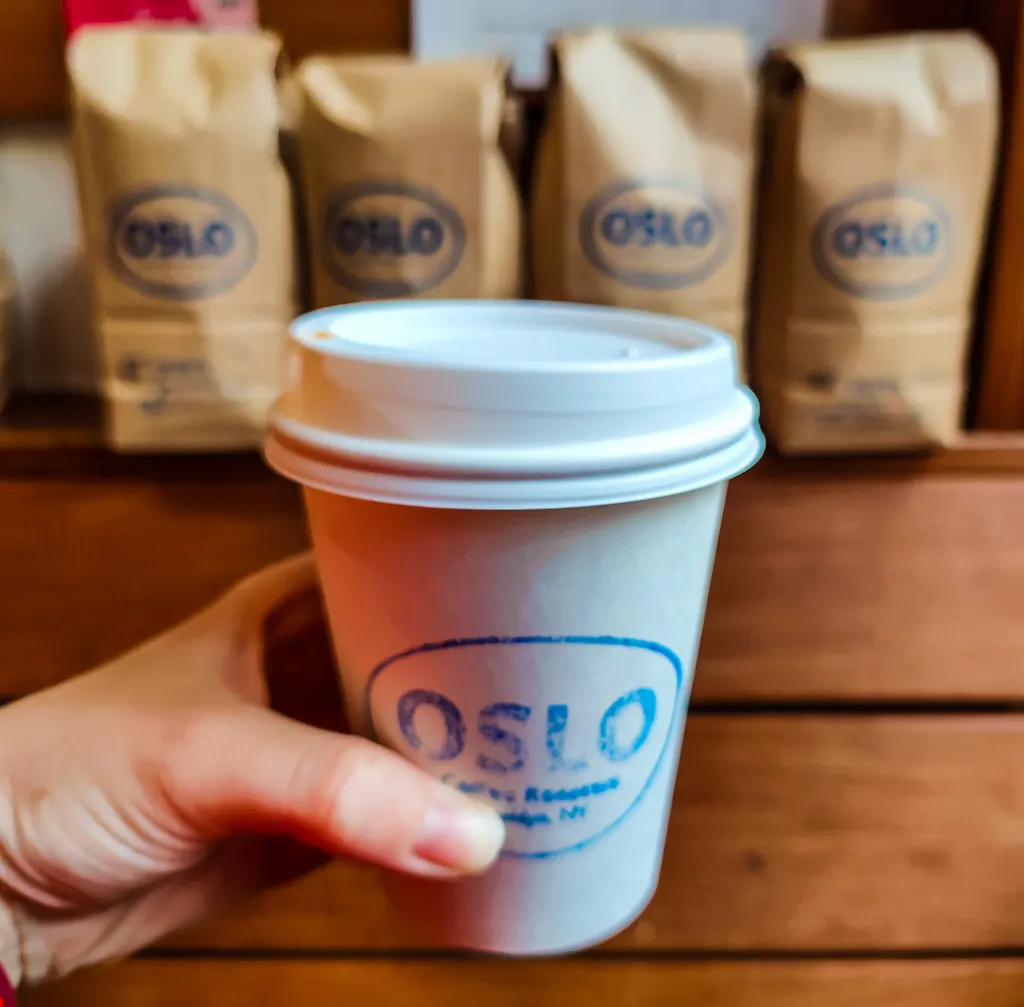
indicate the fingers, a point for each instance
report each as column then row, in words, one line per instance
column 260, row 614
column 261, row 593
column 244, row 769
column 299, row 671
column 249, row 770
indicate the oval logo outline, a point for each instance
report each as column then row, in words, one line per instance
column 585, row 641
column 647, row 279
column 443, row 211
column 836, row 215
column 232, row 215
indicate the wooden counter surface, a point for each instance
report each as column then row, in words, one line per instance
column 854, row 583
column 579, row 983
column 849, row 821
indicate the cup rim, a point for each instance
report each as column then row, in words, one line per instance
column 664, row 330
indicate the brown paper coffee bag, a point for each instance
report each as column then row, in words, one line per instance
column 408, row 189
column 879, row 170
column 187, row 213
column 644, row 184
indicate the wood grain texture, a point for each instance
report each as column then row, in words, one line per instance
column 93, row 568
column 576, row 983
column 789, row 833
column 826, row 587
column 866, row 588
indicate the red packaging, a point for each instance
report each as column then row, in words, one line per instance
column 212, row 13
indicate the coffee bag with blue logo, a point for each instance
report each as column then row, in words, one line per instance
column 879, row 171
column 408, row 189
column 644, row 183
column 189, row 230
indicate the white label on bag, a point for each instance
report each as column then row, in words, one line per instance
column 564, row 735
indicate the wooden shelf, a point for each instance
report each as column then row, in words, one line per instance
column 55, row 433
column 62, row 435
column 47, row 422
column 975, row 453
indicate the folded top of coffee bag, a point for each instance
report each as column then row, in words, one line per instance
column 180, row 81
column 921, row 74
column 394, row 94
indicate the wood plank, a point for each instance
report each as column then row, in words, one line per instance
column 827, row 587
column 93, row 568
column 789, row 834
column 866, row 588
column 572, row 983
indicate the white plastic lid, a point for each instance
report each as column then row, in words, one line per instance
column 509, row 405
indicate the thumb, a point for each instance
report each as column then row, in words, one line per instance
column 249, row 770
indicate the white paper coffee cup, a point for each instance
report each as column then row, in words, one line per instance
column 515, row 508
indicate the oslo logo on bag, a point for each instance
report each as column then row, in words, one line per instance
column 563, row 772
column 655, row 235
column 884, row 243
column 391, row 239
column 181, row 242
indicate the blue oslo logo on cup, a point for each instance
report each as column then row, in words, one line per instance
column 885, row 243
column 655, row 235
column 564, row 735
column 181, row 242
column 390, row 239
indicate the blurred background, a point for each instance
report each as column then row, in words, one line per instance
column 50, row 323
